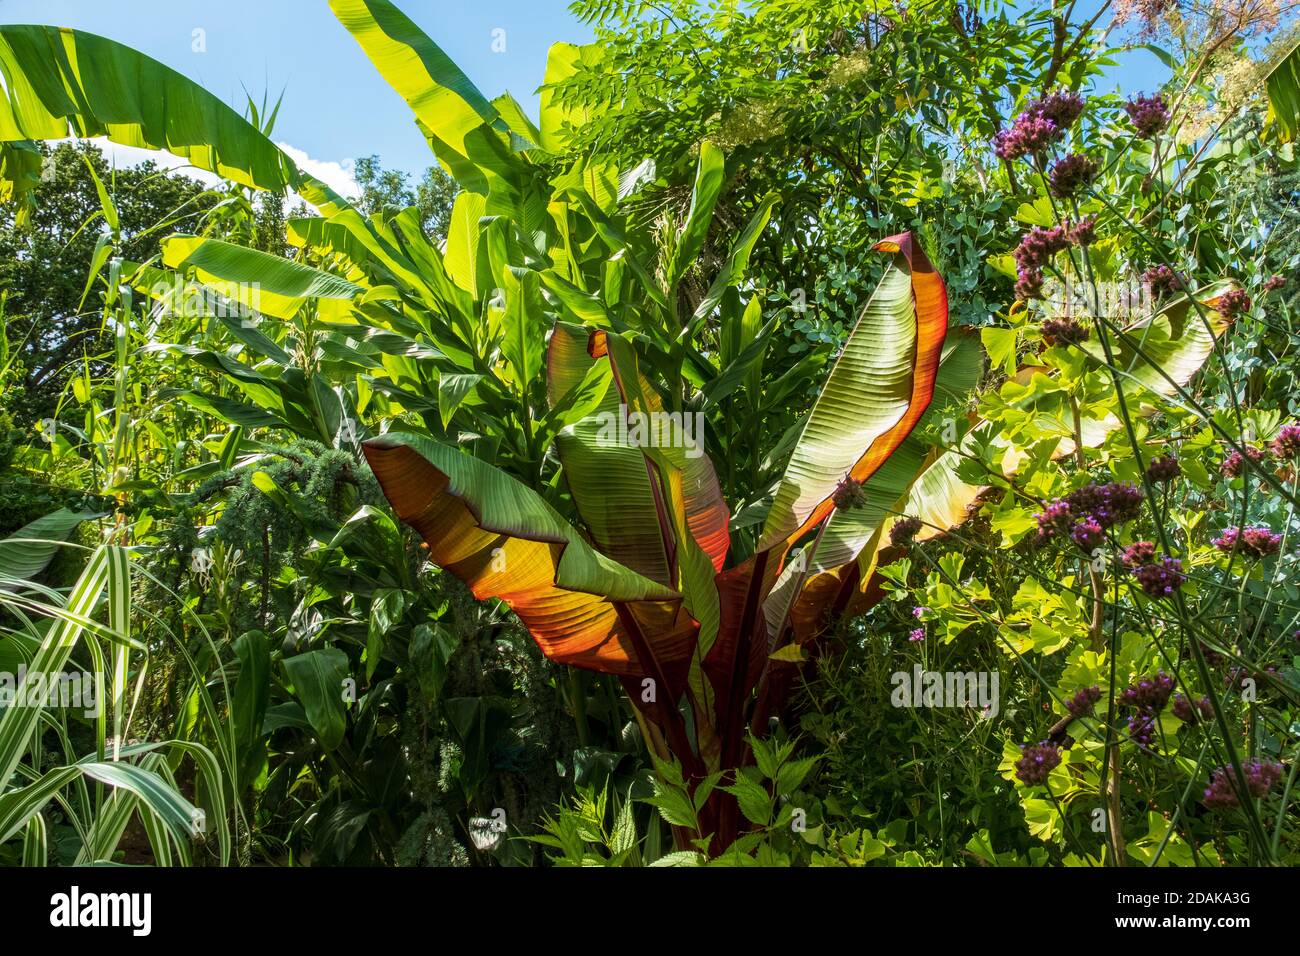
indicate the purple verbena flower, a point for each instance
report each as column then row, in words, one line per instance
column 1088, row 535
column 1142, row 730
column 1054, row 519
column 1148, row 114
column 1233, row 303
column 1287, row 443
column 1108, row 504
column 1137, row 554
column 1261, row 776
column 1256, row 542
column 1190, row 713
column 1082, row 703
column 1163, row 579
column 1162, row 281
column 1064, row 332
column 1164, row 469
column 1234, row 464
column 1084, row 231
column 1071, row 174
column 1029, row 135
column 848, row 494
column 1036, row 762
column 1062, row 107
column 904, row 530
column 1149, row 694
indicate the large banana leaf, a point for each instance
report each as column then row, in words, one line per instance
column 61, row 83
column 260, row 281
column 885, row 494
column 1283, row 85
column 878, row 390
column 504, row 541
column 438, row 92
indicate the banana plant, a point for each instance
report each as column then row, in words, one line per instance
column 648, row 594
column 548, row 316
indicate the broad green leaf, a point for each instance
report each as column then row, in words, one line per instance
column 1283, row 85
column 704, row 196
column 317, row 677
column 259, row 280
column 878, row 390
column 437, row 91
column 60, row 82
column 26, row 553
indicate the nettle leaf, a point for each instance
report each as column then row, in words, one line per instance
column 754, row 800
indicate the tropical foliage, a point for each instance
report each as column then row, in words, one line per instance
column 632, row 489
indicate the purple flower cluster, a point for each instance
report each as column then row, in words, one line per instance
column 1261, row 776
column 1082, row 703
column 1054, row 519
column 1163, row 579
column 1041, row 124
column 1233, row 303
column 1188, row 712
column 1148, row 114
column 1137, row 554
column 1064, row 332
column 1148, row 698
column 1149, row 694
column 1254, row 541
column 1072, row 174
column 1084, row 231
column 848, row 494
column 1234, row 464
column 904, row 530
column 1274, row 282
column 1110, row 504
column 1085, row 513
column 1029, row 135
column 916, row 634
column 1036, row 762
column 1088, row 535
column 1164, row 469
column 1161, row 281
column 1035, row 251
column 1142, row 730
column 1287, row 442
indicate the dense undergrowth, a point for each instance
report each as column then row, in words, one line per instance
column 1055, row 622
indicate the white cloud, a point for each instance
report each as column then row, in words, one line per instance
column 338, row 176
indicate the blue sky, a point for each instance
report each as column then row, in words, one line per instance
column 336, row 107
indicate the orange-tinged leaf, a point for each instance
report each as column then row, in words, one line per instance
column 878, row 390
column 505, row 541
